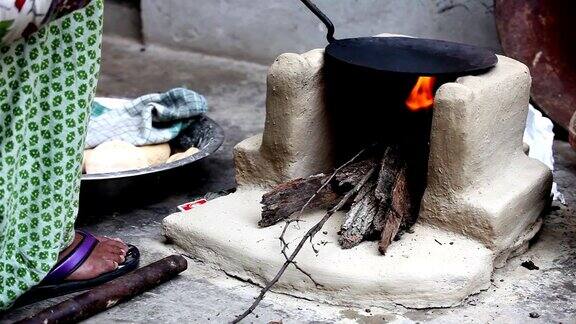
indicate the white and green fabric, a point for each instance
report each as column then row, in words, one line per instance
column 47, row 82
column 151, row 119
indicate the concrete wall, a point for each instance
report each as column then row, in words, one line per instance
column 122, row 18
column 259, row 30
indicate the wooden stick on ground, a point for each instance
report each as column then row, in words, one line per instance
column 308, row 236
column 110, row 294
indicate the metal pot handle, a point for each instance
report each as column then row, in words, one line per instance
column 323, row 17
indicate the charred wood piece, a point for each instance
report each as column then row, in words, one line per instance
column 288, row 198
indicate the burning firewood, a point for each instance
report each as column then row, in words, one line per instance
column 372, row 207
column 359, row 223
column 384, row 206
column 400, row 213
column 289, row 198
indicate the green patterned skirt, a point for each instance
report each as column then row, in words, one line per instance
column 47, row 82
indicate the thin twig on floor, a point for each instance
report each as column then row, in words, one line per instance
column 290, row 221
column 309, row 235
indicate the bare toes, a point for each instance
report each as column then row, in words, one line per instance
column 115, row 249
column 119, row 245
column 110, row 265
column 118, row 258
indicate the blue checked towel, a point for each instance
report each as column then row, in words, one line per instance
column 151, row 119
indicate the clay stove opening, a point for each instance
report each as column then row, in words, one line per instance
column 367, row 107
column 390, row 115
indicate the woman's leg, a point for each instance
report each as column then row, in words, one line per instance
column 47, row 83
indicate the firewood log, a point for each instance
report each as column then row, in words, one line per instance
column 367, row 216
column 359, row 221
column 399, row 213
column 288, row 198
column 383, row 207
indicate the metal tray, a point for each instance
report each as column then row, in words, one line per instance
column 139, row 186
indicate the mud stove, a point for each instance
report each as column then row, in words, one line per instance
column 476, row 197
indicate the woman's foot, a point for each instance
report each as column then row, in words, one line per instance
column 105, row 257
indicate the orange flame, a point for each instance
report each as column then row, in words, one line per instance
column 422, row 95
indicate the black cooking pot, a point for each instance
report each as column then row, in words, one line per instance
column 415, row 56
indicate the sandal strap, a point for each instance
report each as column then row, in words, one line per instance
column 74, row 260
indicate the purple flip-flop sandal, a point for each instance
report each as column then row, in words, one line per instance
column 55, row 284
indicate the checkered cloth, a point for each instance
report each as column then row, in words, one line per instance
column 150, row 119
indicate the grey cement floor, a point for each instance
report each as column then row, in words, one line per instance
column 236, row 93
